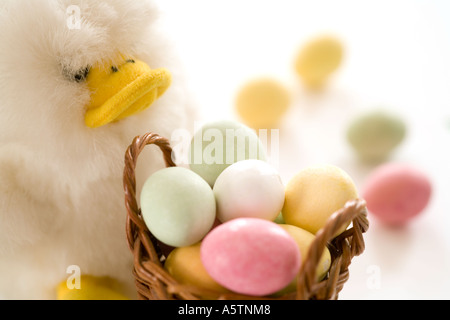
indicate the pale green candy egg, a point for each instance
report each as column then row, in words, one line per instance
column 279, row 219
column 178, row 206
column 375, row 135
column 219, row 144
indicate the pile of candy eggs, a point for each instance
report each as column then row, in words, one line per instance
column 219, row 216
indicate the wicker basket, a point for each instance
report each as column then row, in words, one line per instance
column 153, row 282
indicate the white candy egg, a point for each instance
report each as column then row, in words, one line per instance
column 249, row 188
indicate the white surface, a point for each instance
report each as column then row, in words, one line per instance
column 396, row 57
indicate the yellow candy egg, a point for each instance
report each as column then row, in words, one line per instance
column 314, row 194
column 304, row 240
column 262, row 103
column 318, row 59
column 185, row 265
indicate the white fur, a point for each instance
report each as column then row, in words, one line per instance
column 61, row 194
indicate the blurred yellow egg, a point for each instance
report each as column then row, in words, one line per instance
column 185, row 265
column 304, row 240
column 314, row 194
column 262, row 103
column 318, row 59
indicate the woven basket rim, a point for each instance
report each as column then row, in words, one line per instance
column 153, row 282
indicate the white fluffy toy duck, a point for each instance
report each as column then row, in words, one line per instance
column 79, row 79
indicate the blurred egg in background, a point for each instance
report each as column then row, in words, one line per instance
column 361, row 55
column 262, row 103
column 375, row 135
column 318, row 60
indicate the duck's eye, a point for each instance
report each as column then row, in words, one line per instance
column 81, row 75
column 78, row 76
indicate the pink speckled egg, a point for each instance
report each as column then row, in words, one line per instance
column 396, row 193
column 251, row 256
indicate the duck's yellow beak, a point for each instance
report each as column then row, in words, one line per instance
column 120, row 91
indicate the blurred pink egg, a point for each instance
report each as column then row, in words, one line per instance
column 251, row 256
column 396, row 193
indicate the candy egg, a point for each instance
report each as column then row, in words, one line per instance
column 314, row 194
column 318, row 59
column 249, row 188
column 178, row 206
column 304, row 239
column 279, row 219
column 185, row 265
column 375, row 135
column 395, row 193
column 219, row 144
column 262, row 103
column 251, row 256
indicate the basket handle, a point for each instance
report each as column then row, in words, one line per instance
column 345, row 246
column 134, row 219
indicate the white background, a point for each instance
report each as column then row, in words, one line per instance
column 396, row 57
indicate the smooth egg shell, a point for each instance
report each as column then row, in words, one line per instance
column 178, row 206
column 185, row 265
column 262, row 103
column 395, row 193
column 375, row 135
column 304, row 239
column 314, row 194
column 251, row 256
column 219, row 144
column 249, row 188
column 318, row 59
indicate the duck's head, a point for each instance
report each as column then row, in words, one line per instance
column 121, row 89
column 85, row 61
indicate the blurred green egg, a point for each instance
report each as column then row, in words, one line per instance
column 375, row 135
column 219, row 144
